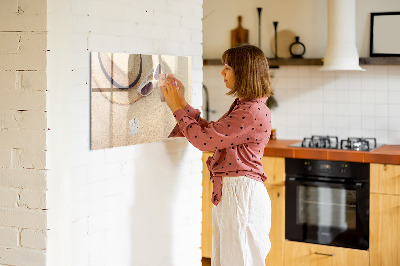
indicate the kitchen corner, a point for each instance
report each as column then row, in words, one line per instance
column 331, row 204
column 378, row 199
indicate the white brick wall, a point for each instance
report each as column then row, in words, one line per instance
column 34, row 239
column 8, row 197
column 23, row 132
column 135, row 205
column 9, row 237
column 123, row 206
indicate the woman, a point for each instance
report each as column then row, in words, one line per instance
column 242, row 208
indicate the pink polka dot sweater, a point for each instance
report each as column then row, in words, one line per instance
column 238, row 139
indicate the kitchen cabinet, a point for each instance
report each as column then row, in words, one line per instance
column 385, row 178
column 305, row 254
column 274, row 168
column 384, row 244
column 206, row 225
column 384, row 221
column 277, row 233
column 385, row 230
column 385, row 215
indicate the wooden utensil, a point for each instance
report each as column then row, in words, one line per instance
column 239, row 35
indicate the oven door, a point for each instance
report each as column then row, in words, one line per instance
column 327, row 213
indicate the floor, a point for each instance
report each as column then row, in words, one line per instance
column 206, row 261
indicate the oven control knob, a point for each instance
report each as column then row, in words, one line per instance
column 308, row 166
column 343, row 168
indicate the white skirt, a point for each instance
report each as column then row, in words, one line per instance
column 241, row 223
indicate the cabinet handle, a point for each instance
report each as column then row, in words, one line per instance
column 324, row 254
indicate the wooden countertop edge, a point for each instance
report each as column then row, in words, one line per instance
column 386, row 154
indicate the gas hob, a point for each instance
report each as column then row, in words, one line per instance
column 332, row 142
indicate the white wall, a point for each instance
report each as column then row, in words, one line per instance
column 312, row 102
column 23, row 133
column 306, row 19
column 134, row 205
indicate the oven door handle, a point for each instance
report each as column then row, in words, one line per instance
column 357, row 185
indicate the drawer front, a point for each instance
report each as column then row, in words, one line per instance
column 297, row 254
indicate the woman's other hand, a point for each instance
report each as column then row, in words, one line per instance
column 173, row 97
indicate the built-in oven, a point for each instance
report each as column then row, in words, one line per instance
column 327, row 202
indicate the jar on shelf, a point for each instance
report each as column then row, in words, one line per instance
column 297, row 49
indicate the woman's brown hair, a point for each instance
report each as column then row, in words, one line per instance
column 250, row 66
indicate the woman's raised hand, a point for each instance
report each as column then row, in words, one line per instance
column 173, row 91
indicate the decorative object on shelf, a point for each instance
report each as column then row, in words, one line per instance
column 297, row 49
column 239, row 35
column 259, row 9
column 384, row 41
column 276, row 38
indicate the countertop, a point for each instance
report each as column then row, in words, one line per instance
column 389, row 154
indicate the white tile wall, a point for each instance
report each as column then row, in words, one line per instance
column 312, row 102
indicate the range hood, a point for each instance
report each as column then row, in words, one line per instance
column 341, row 51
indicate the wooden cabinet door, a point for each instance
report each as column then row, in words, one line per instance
column 274, row 168
column 206, row 226
column 384, row 237
column 277, row 233
column 385, row 178
column 304, row 254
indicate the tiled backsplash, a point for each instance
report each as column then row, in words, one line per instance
column 314, row 102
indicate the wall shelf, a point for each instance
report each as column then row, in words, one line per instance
column 380, row 61
column 274, row 63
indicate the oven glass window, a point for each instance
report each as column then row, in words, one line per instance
column 326, row 207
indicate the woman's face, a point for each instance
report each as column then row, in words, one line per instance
column 229, row 76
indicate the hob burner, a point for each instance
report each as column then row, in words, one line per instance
column 358, row 144
column 328, row 142
column 332, row 142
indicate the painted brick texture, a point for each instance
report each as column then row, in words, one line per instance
column 9, row 237
column 23, row 132
column 33, row 239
